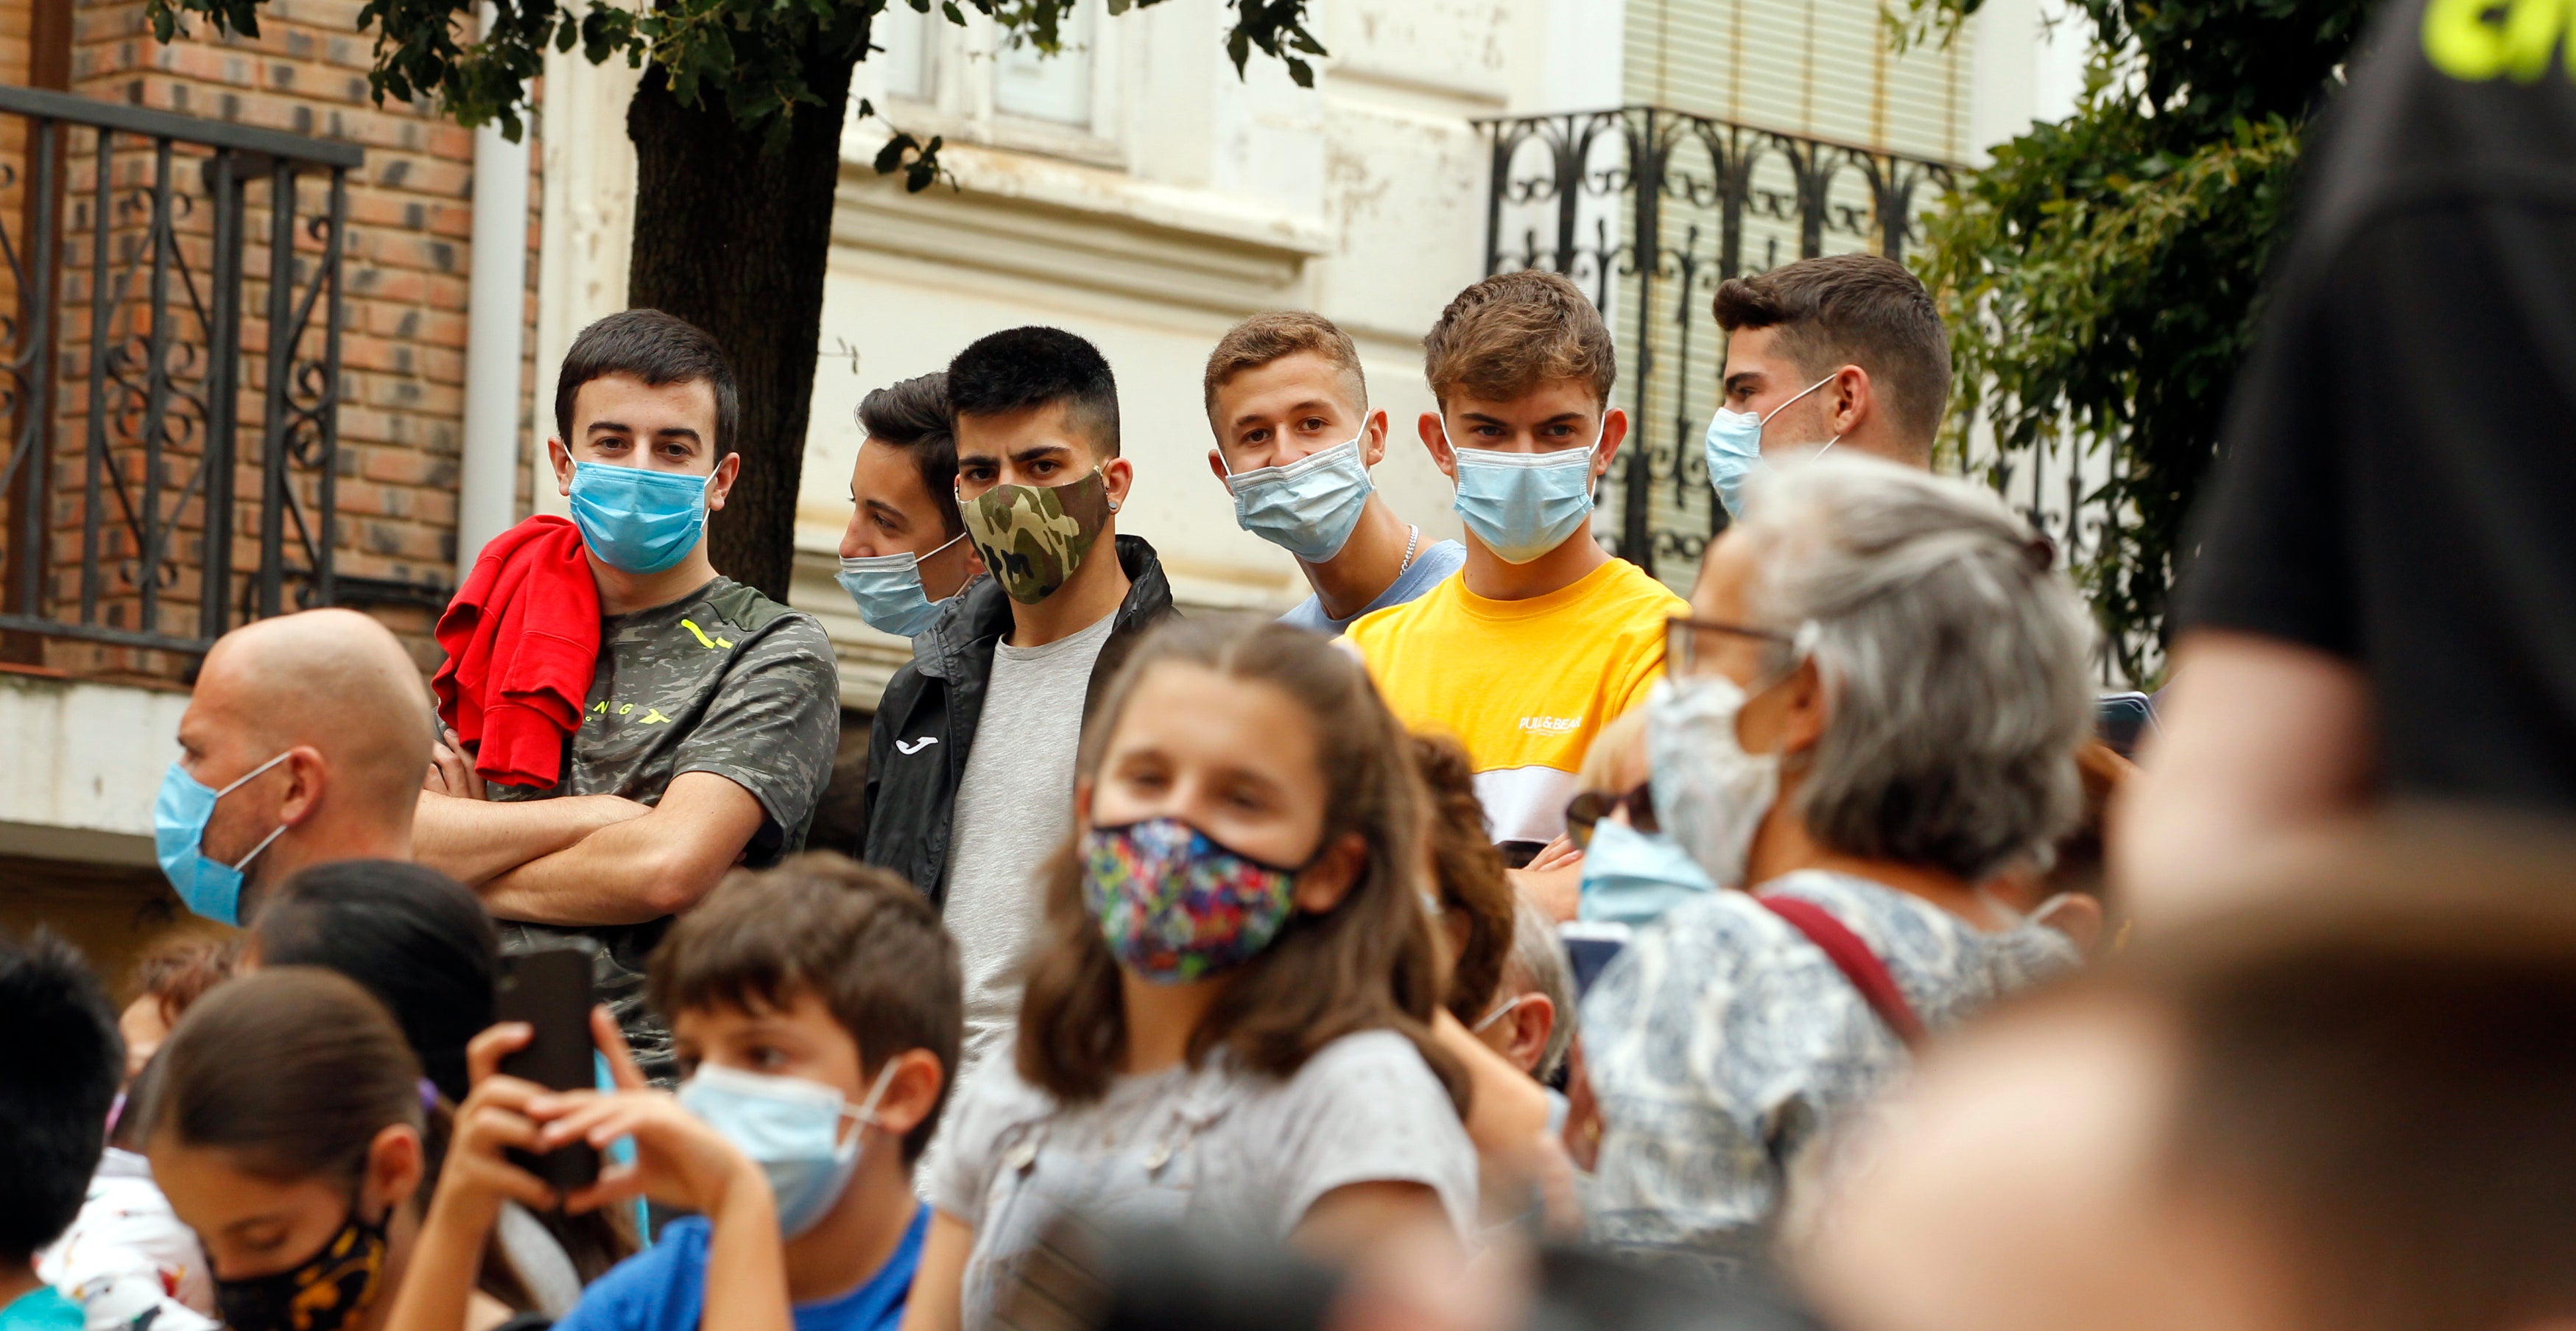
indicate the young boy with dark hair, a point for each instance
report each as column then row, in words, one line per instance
column 905, row 551
column 1294, row 443
column 815, row 1007
column 643, row 722
column 1039, row 485
column 1542, row 638
column 62, row 1062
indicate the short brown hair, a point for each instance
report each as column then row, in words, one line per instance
column 913, row 415
column 1264, row 338
column 1473, row 879
column 1512, row 332
column 1853, row 309
column 659, row 349
column 1367, row 964
column 858, row 938
column 177, row 968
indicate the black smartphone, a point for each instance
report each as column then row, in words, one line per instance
column 2122, row 719
column 550, row 990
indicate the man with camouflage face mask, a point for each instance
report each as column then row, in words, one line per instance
column 970, row 760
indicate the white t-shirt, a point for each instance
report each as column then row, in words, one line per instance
column 1217, row 1151
column 126, row 1259
column 1014, row 806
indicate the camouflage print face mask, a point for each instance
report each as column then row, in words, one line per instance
column 1034, row 537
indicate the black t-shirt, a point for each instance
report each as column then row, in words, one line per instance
column 2399, row 482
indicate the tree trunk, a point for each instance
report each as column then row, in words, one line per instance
column 734, row 239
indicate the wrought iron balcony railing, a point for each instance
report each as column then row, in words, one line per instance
column 1648, row 210
column 169, row 372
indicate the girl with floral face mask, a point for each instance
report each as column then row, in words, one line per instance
column 1225, row 1021
column 289, row 1126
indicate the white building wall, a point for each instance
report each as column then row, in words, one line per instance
column 85, row 763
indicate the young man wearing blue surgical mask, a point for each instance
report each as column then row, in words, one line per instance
column 1842, row 351
column 707, row 719
column 905, row 552
column 816, row 1006
column 1541, row 638
column 1295, row 440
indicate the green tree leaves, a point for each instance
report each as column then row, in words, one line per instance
column 2101, row 277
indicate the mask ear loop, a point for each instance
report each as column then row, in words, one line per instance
column 237, row 784
column 1501, row 1009
column 1802, row 649
column 866, row 1113
column 1802, row 393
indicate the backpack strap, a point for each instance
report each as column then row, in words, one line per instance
column 1854, row 959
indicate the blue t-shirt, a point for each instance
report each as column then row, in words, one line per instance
column 664, row 1287
column 1429, row 567
column 42, row 1309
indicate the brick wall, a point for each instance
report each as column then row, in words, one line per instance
column 404, row 278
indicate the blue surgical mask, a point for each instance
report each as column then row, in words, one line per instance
column 1522, row 505
column 638, row 520
column 1734, row 447
column 791, row 1128
column 1632, row 877
column 1309, row 507
column 211, row 888
column 888, row 591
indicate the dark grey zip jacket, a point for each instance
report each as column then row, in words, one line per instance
column 926, row 722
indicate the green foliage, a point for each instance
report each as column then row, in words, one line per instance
column 2101, row 277
column 760, row 56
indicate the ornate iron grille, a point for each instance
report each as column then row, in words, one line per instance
column 1649, row 209
column 169, row 371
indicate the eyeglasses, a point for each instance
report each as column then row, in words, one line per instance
column 1690, row 645
column 1585, row 812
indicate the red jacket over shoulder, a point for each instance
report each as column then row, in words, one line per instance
column 522, row 641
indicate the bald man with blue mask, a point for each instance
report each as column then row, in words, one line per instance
column 303, row 743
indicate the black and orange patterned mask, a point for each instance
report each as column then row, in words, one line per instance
column 326, row 1292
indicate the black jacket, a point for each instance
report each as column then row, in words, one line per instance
column 926, row 722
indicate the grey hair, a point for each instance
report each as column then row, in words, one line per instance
column 1953, row 660
column 1538, row 964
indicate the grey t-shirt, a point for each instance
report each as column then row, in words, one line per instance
column 1014, row 804
column 723, row 680
column 1423, row 574
column 1220, row 1151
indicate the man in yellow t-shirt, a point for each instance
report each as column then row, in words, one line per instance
column 1542, row 638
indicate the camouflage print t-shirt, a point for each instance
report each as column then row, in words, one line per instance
column 723, row 680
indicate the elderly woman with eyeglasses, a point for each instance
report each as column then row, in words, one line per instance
column 1870, row 714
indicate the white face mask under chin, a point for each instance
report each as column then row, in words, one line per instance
column 1710, row 795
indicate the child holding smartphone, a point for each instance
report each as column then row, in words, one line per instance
column 814, row 1008
column 1226, row 1022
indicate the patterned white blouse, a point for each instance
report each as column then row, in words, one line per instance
column 1721, row 1041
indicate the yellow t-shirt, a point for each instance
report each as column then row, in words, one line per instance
column 1525, row 685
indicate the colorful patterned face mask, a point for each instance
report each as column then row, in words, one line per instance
column 1032, row 536
column 1176, row 906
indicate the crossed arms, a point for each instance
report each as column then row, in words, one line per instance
column 582, row 859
